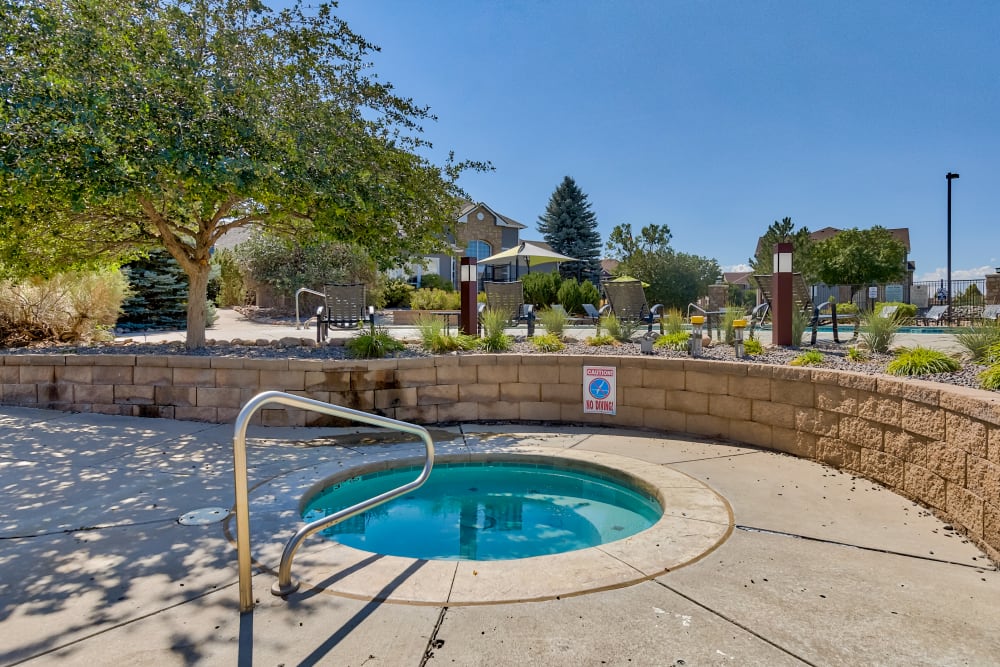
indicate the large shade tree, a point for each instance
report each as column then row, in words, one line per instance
column 143, row 123
column 860, row 257
column 570, row 227
column 675, row 279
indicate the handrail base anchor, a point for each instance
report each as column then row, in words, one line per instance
column 280, row 591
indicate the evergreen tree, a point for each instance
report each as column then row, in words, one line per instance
column 159, row 294
column 570, row 227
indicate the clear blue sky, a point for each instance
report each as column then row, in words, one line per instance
column 716, row 118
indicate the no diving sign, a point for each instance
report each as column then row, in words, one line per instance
column 600, row 390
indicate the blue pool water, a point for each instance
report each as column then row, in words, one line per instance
column 486, row 511
column 849, row 329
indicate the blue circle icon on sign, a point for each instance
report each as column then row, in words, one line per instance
column 599, row 388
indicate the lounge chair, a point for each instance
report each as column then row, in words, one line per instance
column 628, row 302
column 888, row 311
column 935, row 314
column 344, row 306
column 592, row 312
column 991, row 312
column 509, row 298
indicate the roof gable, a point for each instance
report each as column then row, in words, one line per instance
column 502, row 220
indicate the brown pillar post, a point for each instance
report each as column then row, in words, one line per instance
column 781, row 319
column 469, row 318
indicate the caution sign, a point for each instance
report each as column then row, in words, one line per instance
column 600, row 389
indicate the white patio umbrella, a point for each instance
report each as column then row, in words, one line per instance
column 532, row 254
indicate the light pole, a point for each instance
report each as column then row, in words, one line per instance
column 949, row 176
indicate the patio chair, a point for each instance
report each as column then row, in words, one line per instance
column 592, row 312
column 509, row 298
column 344, row 306
column 628, row 302
column 888, row 312
column 991, row 312
column 935, row 314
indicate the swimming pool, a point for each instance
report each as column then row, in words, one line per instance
column 487, row 511
column 848, row 329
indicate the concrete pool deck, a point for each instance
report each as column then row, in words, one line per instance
column 819, row 568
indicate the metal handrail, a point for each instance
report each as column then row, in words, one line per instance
column 284, row 585
column 297, row 293
column 696, row 307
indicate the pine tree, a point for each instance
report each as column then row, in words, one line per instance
column 570, row 227
column 159, row 299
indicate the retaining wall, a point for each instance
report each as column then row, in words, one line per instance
column 936, row 443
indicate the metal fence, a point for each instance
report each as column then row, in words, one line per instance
column 923, row 294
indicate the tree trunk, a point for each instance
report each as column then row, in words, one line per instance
column 196, row 315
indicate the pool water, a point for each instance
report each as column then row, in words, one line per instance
column 486, row 511
column 849, row 329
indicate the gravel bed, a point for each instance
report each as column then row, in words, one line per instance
column 834, row 355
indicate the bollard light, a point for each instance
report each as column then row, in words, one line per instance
column 529, row 311
column 694, row 349
column 371, row 317
column 468, row 318
column 646, row 344
column 738, row 326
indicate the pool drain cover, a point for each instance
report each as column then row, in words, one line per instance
column 204, row 516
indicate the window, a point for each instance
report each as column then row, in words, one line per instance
column 478, row 249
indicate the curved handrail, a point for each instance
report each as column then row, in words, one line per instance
column 284, row 585
column 696, row 307
column 297, row 293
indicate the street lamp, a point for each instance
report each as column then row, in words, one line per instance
column 949, row 176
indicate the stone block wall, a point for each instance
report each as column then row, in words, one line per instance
column 938, row 444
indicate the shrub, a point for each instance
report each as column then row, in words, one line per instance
column 231, row 289
column 494, row 339
column 993, row 354
column 435, row 299
column 547, row 342
column 74, row 306
column 286, row 265
column 435, row 281
column 808, row 358
column 990, row 378
column 541, row 289
column 752, row 347
column 673, row 321
column 572, row 295
column 732, row 314
column 922, row 361
column 677, row 340
column 847, row 308
column 979, row 338
column 396, row 294
column 878, row 332
column 434, row 339
column 620, row 330
column 601, row 339
column 374, row 343
column 553, row 321
column 855, row 353
column 800, row 319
